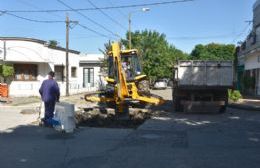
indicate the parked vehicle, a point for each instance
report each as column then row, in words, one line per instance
column 170, row 83
column 202, row 86
column 160, row 84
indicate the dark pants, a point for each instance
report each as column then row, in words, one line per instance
column 49, row 110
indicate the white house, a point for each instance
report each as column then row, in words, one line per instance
column 33, row 59
column 249, row 55
column 90, row 66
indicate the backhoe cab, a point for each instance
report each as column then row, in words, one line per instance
column 130, row 65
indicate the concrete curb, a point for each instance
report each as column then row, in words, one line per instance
column 244, row 107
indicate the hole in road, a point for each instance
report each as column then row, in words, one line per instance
column 104, row 119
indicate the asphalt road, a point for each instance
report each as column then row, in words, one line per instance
column 172, row 139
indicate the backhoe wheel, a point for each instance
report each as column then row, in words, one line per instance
column 143, row 86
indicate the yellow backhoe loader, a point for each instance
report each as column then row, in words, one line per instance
column 127, row 83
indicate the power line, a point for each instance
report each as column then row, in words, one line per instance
column 35, row 7
column 102, row 8
column 91, row 20
column 31, row 20
column 242, row 32
column 210, row 37
column 119, row 10
column 105, row 14
column 87, row 28
column 51, row 21
column 201, row 38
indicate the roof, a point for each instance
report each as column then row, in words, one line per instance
column 93, row 58
column 37, row 41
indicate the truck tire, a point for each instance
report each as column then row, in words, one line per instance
column 177, row 104
column 224, row 107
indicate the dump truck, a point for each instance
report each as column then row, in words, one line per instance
column 202, row 86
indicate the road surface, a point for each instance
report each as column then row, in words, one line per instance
column 169, row 140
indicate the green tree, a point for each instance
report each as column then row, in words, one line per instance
column 108, row 47
column 53, row 43
column 104, row 61
column 6, row 72
column 213, row 52
column 158, row 56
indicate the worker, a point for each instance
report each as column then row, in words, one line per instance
column 127, row 68
column 124, row 65
column 50, row 94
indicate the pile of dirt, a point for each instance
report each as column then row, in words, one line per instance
column 106, row 118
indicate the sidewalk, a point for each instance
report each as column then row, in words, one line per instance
column 25, row 101
column 11, row 116
column 247, row 104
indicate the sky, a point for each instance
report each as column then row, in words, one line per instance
column 185, row 24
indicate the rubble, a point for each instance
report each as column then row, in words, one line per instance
column 106, row 117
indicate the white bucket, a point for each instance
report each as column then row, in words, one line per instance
column 64, row 113
column 42, row 110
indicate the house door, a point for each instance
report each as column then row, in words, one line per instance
column 88, row 77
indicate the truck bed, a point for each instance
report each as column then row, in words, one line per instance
column 204, row 74
column 202, row 86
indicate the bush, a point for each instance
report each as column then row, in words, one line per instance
column 7, row 70
column 234, row 95
column 6, row 73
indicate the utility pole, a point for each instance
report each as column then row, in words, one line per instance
column 67, row 55
column 68, row 22
column 4, row 58
column 129, row 24
column 129, row 32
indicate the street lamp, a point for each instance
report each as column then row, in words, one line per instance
column 129, row 24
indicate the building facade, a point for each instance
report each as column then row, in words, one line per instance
column 32, row 59
column 249, row 57
column 90, row 67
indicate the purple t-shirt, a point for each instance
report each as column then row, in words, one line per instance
column 49, row 90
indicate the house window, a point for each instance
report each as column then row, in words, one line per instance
column 59, row 72
column 257, row 31
column 243, row 47
column 253, row 38
column 88, row 77
column 25, row 72
column 73, row 72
